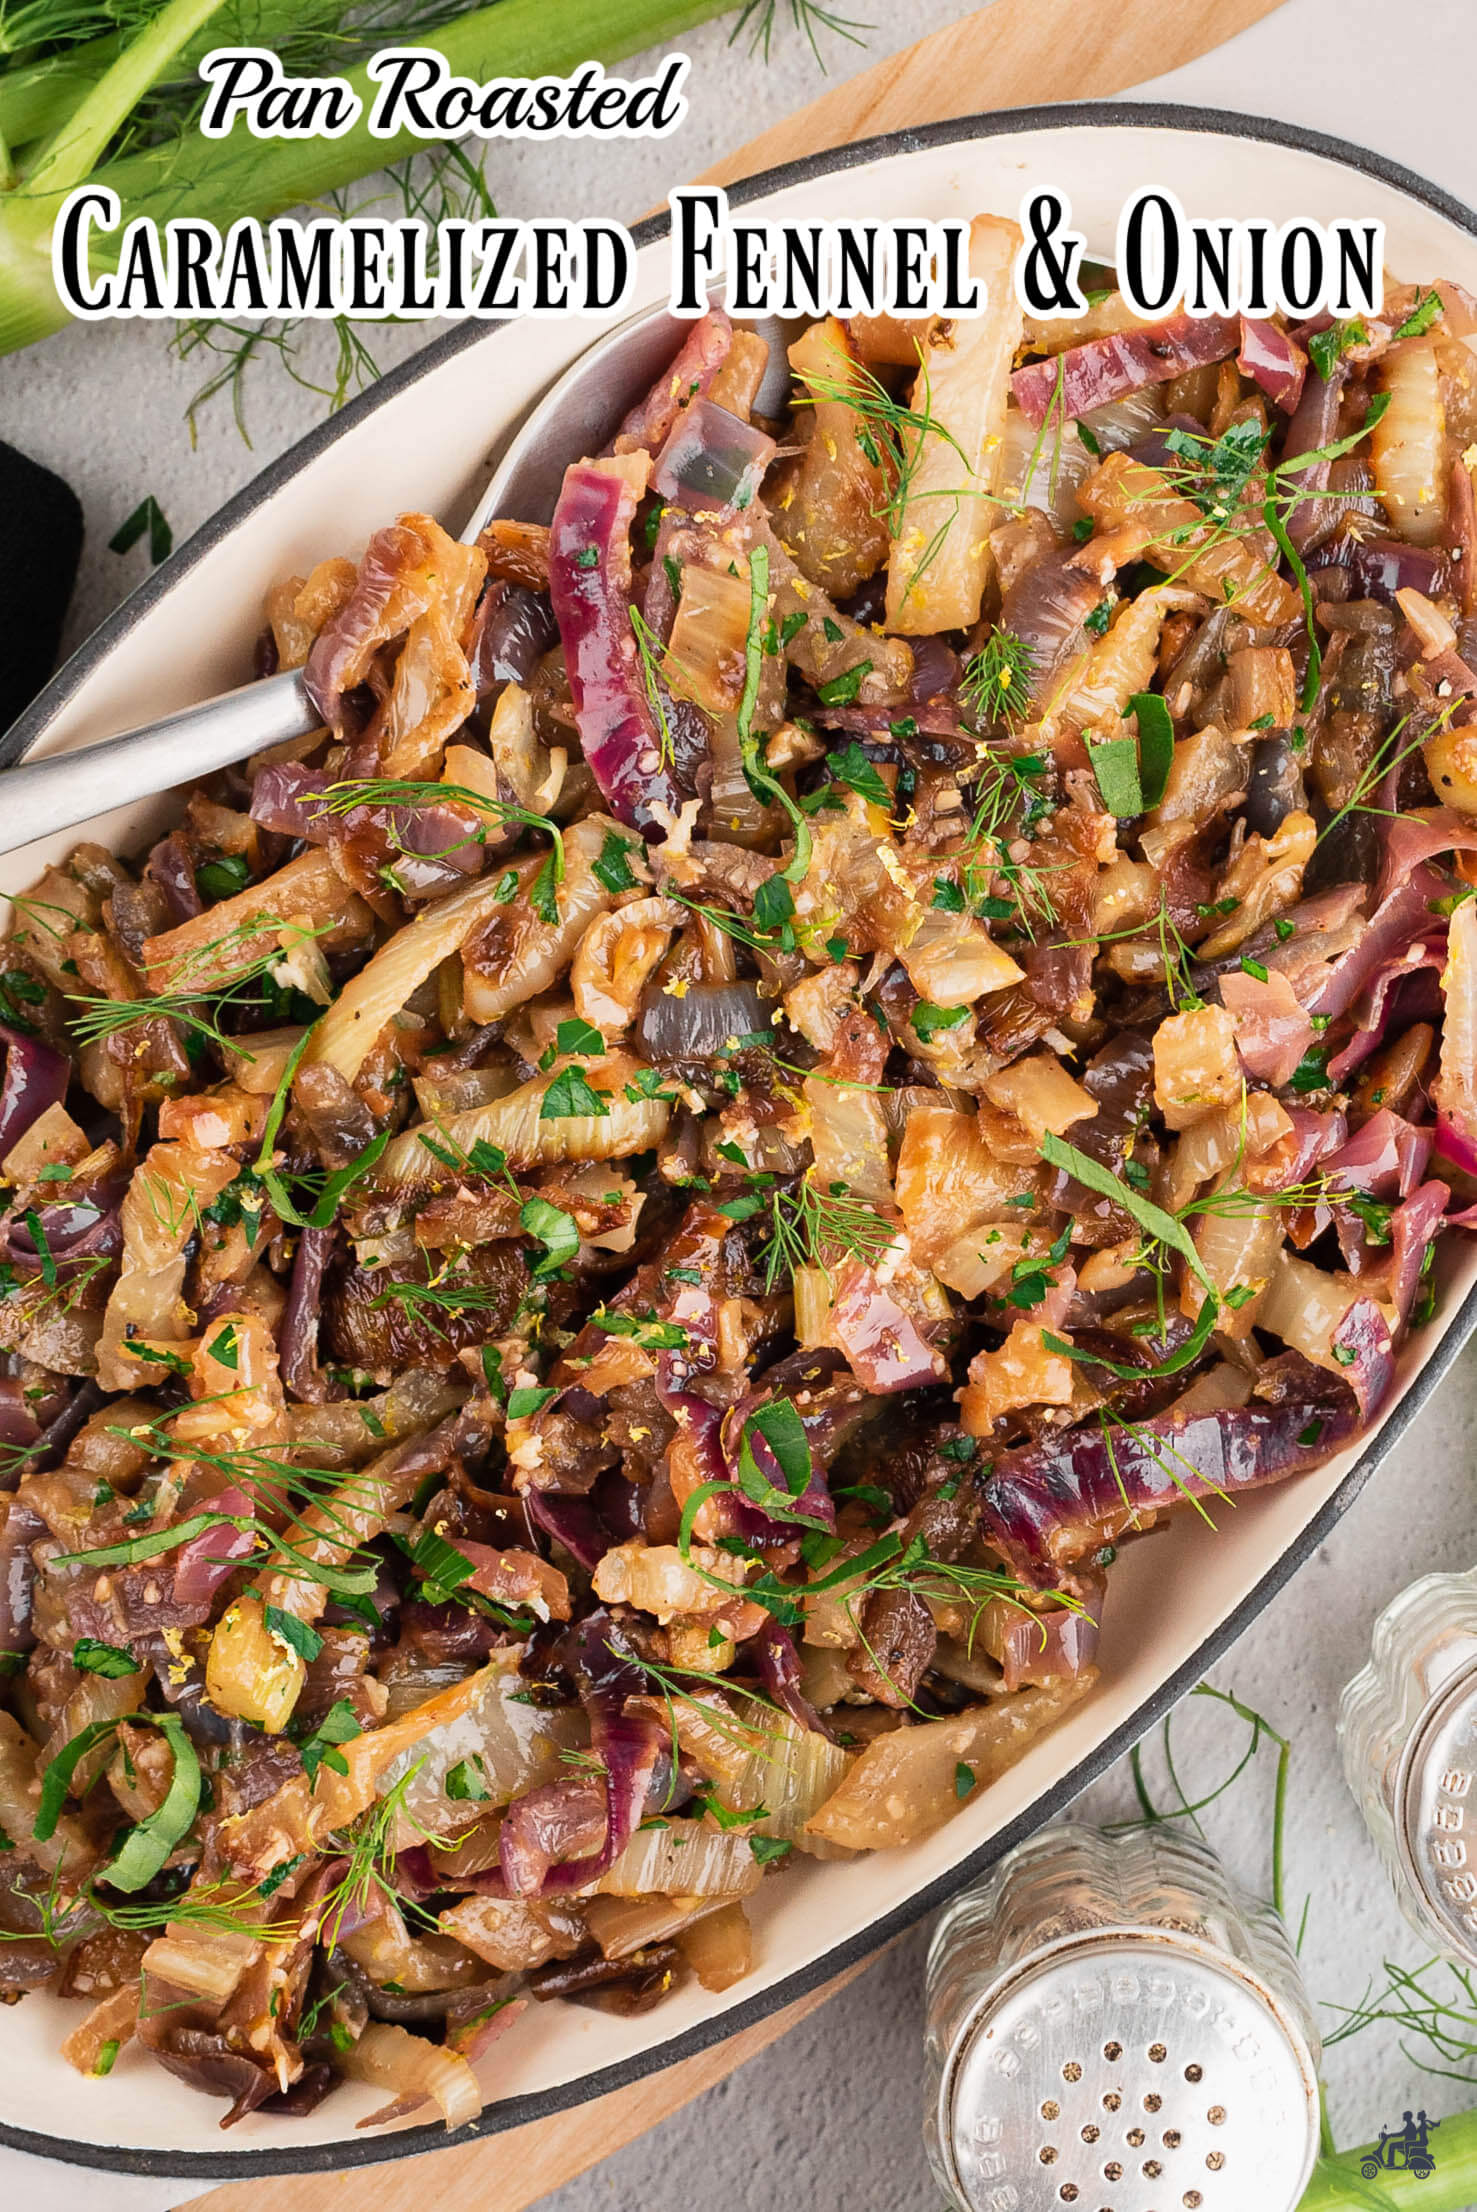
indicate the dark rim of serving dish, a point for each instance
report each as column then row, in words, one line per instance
column 515, row 2111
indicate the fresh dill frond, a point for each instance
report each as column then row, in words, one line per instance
column 58, row 24
column 760, row 17
column 1009, row 806
column 996, row 684
column 395, row 791
column 197, row 983
column 651, row 653
column 1445, row 2024
column 1220, row 470
column 421, row 1302
column 815, row 1226
column 1389, row 755
column 892, row 433
column 679, row 1683
column 370, row 1849
column 1187, row 1808
column 442, row 184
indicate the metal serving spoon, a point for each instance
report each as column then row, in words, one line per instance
column 577, row 415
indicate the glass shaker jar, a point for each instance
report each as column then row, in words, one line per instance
column 1408, row 1736
column 1115, row 2024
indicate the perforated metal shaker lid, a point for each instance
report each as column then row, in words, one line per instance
column 1129, row 2070
column 1436, row 1815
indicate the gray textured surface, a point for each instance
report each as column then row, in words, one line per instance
column 830, row 2117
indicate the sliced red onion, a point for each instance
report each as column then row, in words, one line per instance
column 882, row 1343
column 172, row 867
column 777, row 1664
column 1045, row 608
column 1041, row 1648
column 85, row 1225
column 1413, row 1228
column 288, row 797
column 1307, row 958
column 433, row 836
column 712, row 463
column 620, row 1504
column 18, row 1424
column 1103, row 369
column 1458, row 1150
column 572, row 1522
column 1273, row 361
column 701, row 355
column 1314, row 425
column 206, row 1561
column 696, row 1249
column 629, row 1747
column 1400, row 918
column 36, row 1076
column 630, row 1744
column 1273, row 1031
column 337, row 650
column 474, row 2042
column 705, row 1021
column 514, row 629
column 432, row 848
column 1292, row 1159
column 298, row 1335
column 740, row 1437
column 1050, row 1503
column 1385, row 1158
column 566, row 1819
column 936, row 671
column 715, row 1444
column 1387, row 1003
column 590, row 586
column 1362, row 1346
column 1422, row 834
column 1379, row 567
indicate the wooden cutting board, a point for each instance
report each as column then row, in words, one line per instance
column 1015, row 53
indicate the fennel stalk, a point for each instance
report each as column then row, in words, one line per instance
column 1339, row 2186
column 221, row 180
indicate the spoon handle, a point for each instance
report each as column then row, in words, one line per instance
column 68, row 788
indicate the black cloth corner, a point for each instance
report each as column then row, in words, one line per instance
column 40, row 546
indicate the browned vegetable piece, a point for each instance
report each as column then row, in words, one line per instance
column 906, row 1783
column 830, row 504
column 1151, row 521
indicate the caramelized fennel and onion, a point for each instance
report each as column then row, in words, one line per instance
column 600, row 1256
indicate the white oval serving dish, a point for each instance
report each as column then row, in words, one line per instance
column 424, row 439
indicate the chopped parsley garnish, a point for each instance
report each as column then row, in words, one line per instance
column 648, row 1329
column 928, row 1019
column 842, row 690
column 570, row 1095
column 296, row 1634
column 613, row 868
column 338, row 1726
column 851, row 766
column 1426, row 310
column 148, row 516
column 109, row 1660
